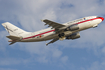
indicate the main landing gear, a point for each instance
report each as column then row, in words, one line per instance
column 62, row 36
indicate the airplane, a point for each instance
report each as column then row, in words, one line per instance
column 57, row 31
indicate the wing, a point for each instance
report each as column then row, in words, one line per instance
column 52, row 24
column 54, row 40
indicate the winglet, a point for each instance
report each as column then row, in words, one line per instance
column 46, row 44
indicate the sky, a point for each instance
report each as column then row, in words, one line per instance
column 85, row 53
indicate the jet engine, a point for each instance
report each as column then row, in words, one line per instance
column 73, row 36
column 73, row 27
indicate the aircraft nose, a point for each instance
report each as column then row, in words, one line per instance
column 101, row 18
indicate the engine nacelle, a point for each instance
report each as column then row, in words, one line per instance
column 73, row 27
column 73, row 36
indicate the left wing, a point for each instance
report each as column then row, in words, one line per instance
column 59, row 28
column 52, row 24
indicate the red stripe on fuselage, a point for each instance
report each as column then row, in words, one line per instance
column 87, row 20
column 54, row 30
column 39, row 34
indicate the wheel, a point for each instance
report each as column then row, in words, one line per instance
column 61, row 35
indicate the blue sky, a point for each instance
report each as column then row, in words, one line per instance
column 85, row 53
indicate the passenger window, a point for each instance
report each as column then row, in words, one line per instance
column 37, row 36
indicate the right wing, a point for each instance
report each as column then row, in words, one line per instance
column 54, row 40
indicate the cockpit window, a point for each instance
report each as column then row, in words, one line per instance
column 84, row 18
column 97, row 17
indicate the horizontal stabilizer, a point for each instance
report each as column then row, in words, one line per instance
column 14, row 37
column 12, row 43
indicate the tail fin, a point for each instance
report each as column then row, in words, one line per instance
column 13, row 30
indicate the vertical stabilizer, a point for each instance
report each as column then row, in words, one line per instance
column 13, row 30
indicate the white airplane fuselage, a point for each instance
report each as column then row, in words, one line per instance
column 69, row 30
column 47, row 34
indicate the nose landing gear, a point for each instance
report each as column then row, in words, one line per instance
column 95, row 26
